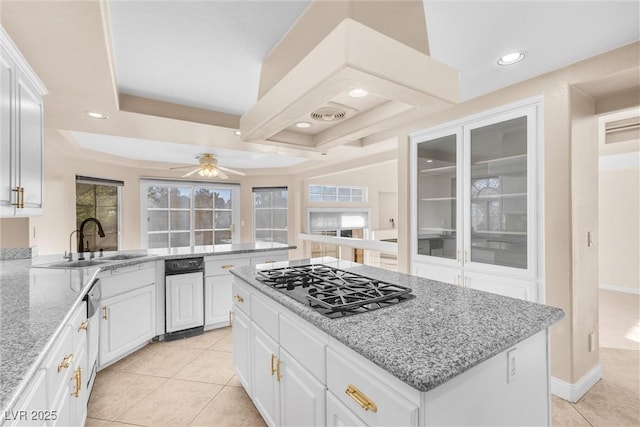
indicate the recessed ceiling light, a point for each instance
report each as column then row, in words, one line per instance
column 303, row 125
column 429, row 161
column 94, row 115
column 512, row 58
column 358, row 93
column 237, row 133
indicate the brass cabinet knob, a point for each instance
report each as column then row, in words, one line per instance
column 238, row 298
column 83, row 326
column 66, row 362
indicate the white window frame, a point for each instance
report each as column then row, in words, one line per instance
column 366, row 229
column 337, row 199
column 286, row 209
column 235, row 200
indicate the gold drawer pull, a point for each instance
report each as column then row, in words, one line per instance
column 362, row 399
column 238, row 298
column 273, row 359
column 278, row 377
column 269, row 262
column 83, row 326
column 19, row 197
column 226, row 266
column 105, row 313
column 230, row 317
column 78, row 377
column 66, row 362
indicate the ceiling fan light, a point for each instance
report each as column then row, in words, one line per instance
column 358, row 93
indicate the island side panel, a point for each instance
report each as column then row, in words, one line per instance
column 485, row 395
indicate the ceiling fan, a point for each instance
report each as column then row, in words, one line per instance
column 208, row 168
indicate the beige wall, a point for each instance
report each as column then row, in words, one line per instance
column 619, row 211
column 556, row 267
column 584, row 220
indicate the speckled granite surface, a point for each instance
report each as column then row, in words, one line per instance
column 35, row 303
column 430, row 339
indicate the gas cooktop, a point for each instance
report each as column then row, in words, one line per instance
column 334, row 292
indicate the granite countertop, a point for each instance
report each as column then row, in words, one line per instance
column 36, row 302
column 442, row 332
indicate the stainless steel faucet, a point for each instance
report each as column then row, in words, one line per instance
column 70, row 255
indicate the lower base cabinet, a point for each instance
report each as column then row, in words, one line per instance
column 300, row 376
column 339, row 415
column 128, row 321
column 302, row 401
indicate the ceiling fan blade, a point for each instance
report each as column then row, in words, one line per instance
column 191, row 173
column 231, row 171
column 222, row 175
column 182, row 167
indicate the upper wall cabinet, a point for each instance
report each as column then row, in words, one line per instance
column 474, row 189
column 21, row 134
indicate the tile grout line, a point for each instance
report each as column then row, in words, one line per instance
column 205, row 405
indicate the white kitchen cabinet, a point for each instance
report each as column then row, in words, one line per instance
column 32, row 402
column 286, row 366
column 21, row 134
column 474, row 198
column 302, row 401
column 338, row 415
column 242, row 349
column 218, row 283
column 184, row 307
column 128, row 321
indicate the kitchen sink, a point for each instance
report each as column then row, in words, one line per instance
column 121, row 257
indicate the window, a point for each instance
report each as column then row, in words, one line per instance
column 270, row 214
column 339, row 222
column 329, row 193
column 100, row 199
column 186, row 214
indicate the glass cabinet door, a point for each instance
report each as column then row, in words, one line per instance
column 437, row 184
column 497, row 185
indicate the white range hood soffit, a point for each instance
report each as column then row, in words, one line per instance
column 399, row 80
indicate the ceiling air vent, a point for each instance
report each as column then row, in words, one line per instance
column 328, row 114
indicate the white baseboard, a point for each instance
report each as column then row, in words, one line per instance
column 573, row 392
column 615, row 288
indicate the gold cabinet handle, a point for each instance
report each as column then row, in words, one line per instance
column 83, row 326
column 238, row 298
column 230, row 317
column 268, row 262
column 362, row 399
column 66, row 362
column 78, row 377
column 226, row 266
column 19, row 197
column 105, row 313
column 273, row 359
column 278, row 370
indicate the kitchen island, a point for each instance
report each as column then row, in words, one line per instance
column 448, row 356
column 38, row 302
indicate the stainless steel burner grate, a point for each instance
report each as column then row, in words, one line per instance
column 332, row 291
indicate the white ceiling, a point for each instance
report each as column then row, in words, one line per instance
column 471, row 35
column 208, row 54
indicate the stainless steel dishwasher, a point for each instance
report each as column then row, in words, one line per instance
column 184, row 297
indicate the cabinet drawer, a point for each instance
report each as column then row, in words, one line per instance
column 59, row 364
column 351, row 385
column 264, row 315
column 79, row 324
column 221, row 267
column 303, row 342
column 269, row 258
column 241, row 297
column 34, row 398
column 125, row 281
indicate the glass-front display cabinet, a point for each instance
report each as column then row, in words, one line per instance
column 474, row 195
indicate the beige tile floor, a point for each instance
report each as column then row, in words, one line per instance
column 188, row 382
column 615, row 399
column 191, row 382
